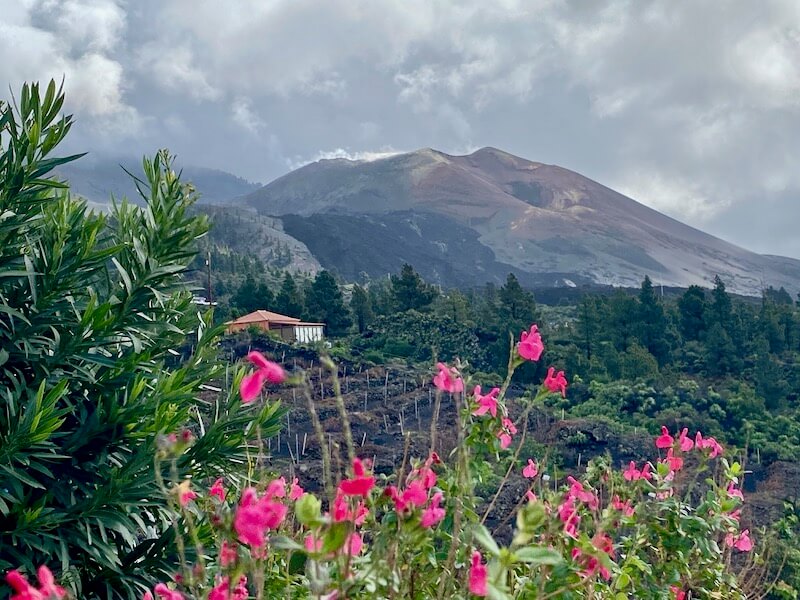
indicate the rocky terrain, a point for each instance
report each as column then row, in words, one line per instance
column 388, row 403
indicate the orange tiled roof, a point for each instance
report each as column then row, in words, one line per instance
column 264, row 315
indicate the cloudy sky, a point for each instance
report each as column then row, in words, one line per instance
column 690, row 107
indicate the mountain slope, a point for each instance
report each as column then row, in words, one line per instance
column 98, row 178
column 488, row 213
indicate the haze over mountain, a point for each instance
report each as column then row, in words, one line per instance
column 466, row 220
column 98, row 178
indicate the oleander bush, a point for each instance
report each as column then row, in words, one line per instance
column 92, row 307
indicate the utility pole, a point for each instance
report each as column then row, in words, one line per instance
column 208, row 273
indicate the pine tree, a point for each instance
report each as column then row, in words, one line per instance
column 410, row 291
column 652, row 326
column 692, row 307
column 361, row 307
column 516, row 305
column 252, row 296
column 720, row 311
column 324, row 303
column 289, row 300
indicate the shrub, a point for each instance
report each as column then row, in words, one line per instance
column 90, row 308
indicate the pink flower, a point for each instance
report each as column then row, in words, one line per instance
column 415, row 494
column 360, row 484
column 744, row 543
column 530, row 496
column 716, row 448
column 427, row 476
column 505, row 434
column 531, row 471
column 312, row 544
column 221, row 591
column 295, row 492
column 391, row 492
column 266, row 371
column 227, row 554
column 675, row 462
column 341, row 508
column 255, row 516
column 708, row 443
column 217, row 491
column 530, row 346
column 646, row 474
column 433, row 514
column 343, row 512
column 632, row 473
column 576, row 491
column 741, row 542
column 448, row 379
column 23, row 589
column 162, row 591
column 734, row 493
column 665, row 440
column 677, row 593
column 47, row 584
column 487, row 403
column 569, row 516
column 685, row 441
column 185, row 494
column 147, row 595
column 276, row 488
column 556, row 383
column 478, row 576
column 624, row 507
column 354, row 544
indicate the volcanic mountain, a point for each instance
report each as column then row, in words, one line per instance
column 466, row 220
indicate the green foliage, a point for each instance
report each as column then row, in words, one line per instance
column 361, row 307
column 325, row 304
column 410, row 291
column 251, row 296
column 91, row 308
column 289, row 300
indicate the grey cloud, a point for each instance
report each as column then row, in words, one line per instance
column 689, row 107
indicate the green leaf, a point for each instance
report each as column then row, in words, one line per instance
column 537, row 555
column 281, row 542
column 485, row 539
column 335, row 537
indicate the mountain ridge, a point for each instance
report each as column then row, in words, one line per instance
column 533, row 217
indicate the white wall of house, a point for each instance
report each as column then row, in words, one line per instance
column 308, row 333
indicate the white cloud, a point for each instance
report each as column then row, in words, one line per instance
column 691, row 107
column 365, row 156
column 243, row 115
column 684, row 199
column 75, row 40
column 173, row 68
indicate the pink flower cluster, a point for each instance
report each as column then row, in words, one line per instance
column 591, row 564
column 348, row 505
column 417, row 494
column 530, row 347
column 23, row 590
column 256, row 515
column 448, row 379
column 568, row 509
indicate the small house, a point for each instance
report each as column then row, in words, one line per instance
column 289, row 329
